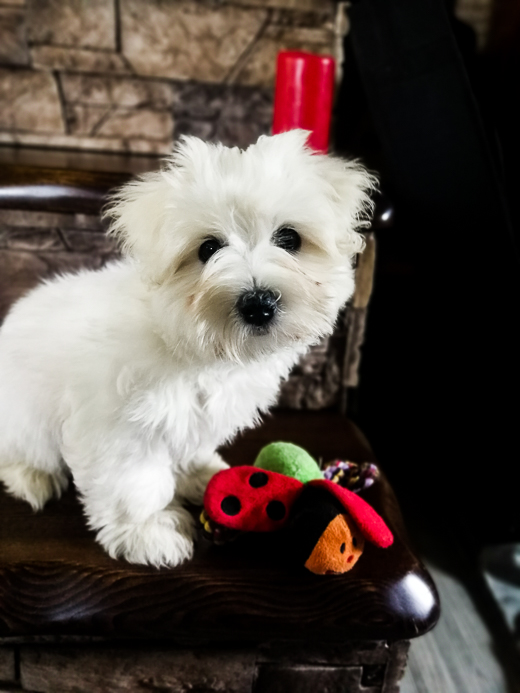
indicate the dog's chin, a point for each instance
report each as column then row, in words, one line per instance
column 249, row 343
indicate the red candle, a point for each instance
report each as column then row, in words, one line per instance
column 303, row 95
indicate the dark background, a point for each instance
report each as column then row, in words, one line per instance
column 439, row 375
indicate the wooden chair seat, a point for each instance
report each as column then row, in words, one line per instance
column 55, row 580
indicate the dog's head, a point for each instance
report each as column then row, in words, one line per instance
column 245, row 252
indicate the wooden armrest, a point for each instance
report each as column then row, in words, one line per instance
column 58, row 181
column 53, row 190
column 51, row 181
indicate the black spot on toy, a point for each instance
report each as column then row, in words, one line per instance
column 258, row 479
column 231, row 506
column 275, row 510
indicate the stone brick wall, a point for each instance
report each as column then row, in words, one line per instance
column 38, row 245
column 131, row 75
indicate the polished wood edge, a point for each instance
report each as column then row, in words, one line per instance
column 54, row 190
column 63, row 199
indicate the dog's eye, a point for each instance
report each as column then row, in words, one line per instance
column 209, row 248
column 288, row 239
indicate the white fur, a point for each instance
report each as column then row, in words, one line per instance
column 130, row 377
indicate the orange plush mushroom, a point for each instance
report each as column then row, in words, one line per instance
column 329, row 526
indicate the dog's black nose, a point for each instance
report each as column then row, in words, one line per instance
column 257, row 307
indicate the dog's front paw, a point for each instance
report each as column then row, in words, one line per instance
column 192, row 486
column 164, row 539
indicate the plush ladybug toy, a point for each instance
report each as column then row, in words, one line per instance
column 326, row 525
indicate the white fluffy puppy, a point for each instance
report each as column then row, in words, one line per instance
column 132, row 376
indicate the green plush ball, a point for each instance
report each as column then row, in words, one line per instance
column 288, row 459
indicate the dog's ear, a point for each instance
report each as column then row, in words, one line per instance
column 141, row 213
column 349, row 187
column 347, row 184
column 137, row 213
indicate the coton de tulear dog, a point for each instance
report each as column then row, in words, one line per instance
column 130, row 377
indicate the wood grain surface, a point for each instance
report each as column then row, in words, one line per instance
column 55, row 579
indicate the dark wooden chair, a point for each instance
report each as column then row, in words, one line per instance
column 236, row 618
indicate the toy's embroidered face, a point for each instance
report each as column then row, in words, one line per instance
column 338, row 548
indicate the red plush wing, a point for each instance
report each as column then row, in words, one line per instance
column 371, row 525
column 251, row 499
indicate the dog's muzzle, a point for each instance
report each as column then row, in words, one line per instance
column 258, row 307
